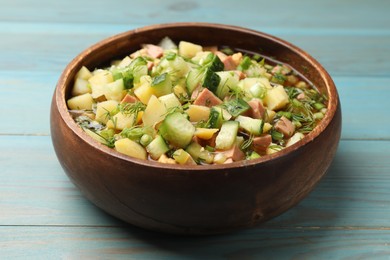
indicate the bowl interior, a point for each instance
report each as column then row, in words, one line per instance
column 120, row 45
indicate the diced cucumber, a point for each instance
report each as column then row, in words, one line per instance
column 177, row 130
column 217, row 116
column 200, row 57
column 211, row 80
column 236, row 106
column 176, row 67
column 245, row 63
column 157, row 147
column 253, row 156
column 194, row 79
column 170, row 101
column 182, row 157
column 198, row 153
column 95, row 136
column 138, row 68
column 251, row 125
column 114, row 90
column 162, row 85
column 227, row 135
column 228, row 80
column 213, row 62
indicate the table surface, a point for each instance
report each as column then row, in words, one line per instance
column 43, row 215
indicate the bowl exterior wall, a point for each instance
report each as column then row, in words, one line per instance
column 192, row 201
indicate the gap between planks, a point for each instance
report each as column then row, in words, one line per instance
column 253, row 228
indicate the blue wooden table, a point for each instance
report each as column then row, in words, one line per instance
column 42, row 214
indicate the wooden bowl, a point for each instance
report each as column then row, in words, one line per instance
column 194, row 199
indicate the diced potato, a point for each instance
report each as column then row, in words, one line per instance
column 276, row 98
column 270, row 115
column 145, row 90
column 121, row 121
column 182, row 157
column 248, row 83
column 266, row 127
column 83, row 73
column 130, row 148
column 180, row 91
column 99, row 79
column 237, row 58
column 115, row 90
column 81, row 102
column 188, row 49
column 205, row 133
column 106, row 109
column 295, row 138
column 165, row 159
column 80, row 87
column 198, row 113
column 155, row 112
column 170, row 101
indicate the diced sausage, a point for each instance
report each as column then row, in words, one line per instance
column 285, row 126
column 221, row 55
column 228, row 160
column 229, row 63
column 235, row 153
column 154, row 51
column 150, row 65
column 261, row 143
column 207, row 98
column 129, row 99
column 301, row 96
column 256, row 110
column 196, row 92
column 283, row 69
column 210, row 48
column 241, row 75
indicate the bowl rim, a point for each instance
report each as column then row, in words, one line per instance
column 76, row 63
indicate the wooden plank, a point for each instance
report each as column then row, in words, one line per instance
column 35, row 191
column 360, row 96
column 302, row 14
column 341, row 54
column 131, row 243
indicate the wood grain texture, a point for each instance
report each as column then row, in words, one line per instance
column 132, row 243
column 56, row 50
column 303, row 14
column 43, row 216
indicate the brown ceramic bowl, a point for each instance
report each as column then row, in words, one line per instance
column 195, row 199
